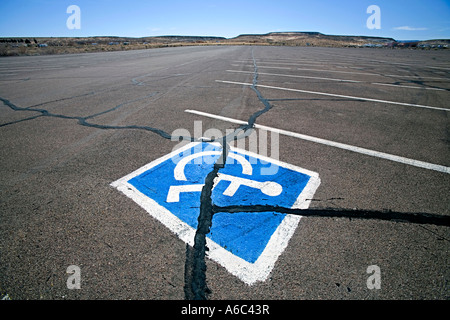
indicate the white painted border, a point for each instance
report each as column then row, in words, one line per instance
column 247, row 272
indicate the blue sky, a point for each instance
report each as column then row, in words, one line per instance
column 400, row 19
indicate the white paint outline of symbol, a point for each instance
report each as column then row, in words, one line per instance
column 269, row 188
column 247, row 272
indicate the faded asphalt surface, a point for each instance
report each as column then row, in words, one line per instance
column 70, row 125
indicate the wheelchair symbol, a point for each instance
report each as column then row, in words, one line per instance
column 269, row 188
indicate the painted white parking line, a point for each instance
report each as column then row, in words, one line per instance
column 295, row 76
column 384, row 62
column 372, row 153
column 373, row 74
column 263, row 67
column 408, row 87
column 339, row 80
column 348, row 72
column 296, row 63
column 417, row 77
column 269, row 67
column 337, row 95
column 319, row 70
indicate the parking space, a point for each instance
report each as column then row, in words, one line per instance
column 84, row 138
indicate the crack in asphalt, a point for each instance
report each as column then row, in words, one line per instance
column 388, row 215
column 195, row 266
column 198, row 277
column 83, row 121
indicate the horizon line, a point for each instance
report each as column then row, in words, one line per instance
column 225, row 38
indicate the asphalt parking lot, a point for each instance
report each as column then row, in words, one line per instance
column 370, row 124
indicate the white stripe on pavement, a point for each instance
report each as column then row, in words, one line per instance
column 339, row 80
column 295, row 76
column 336, row 95
column 372, row 153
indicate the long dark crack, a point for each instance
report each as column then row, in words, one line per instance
column 198, row 276
column 195, row 267
column 387, row 215
column 84, row 120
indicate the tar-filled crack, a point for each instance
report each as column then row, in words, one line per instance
column 195, row 268
column 87, row 120
column 388, row 215
column 198, row 276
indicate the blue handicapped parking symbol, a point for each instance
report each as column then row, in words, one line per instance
column 247, row 244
